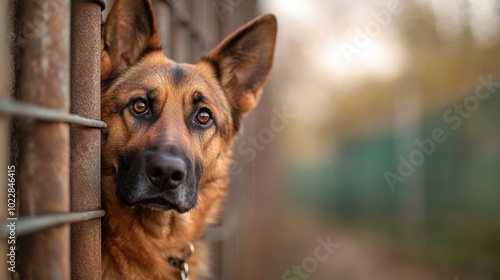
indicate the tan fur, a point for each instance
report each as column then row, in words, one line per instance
column 137, row 240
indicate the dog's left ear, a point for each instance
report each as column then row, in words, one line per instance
column 243, row 61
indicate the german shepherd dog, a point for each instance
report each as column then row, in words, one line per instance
column 167, row 149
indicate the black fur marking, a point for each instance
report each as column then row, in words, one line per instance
column 236, row 120
column 104, row 135
column 178, row 74
column 124, row 187
column 198, row 97
column 215, row 65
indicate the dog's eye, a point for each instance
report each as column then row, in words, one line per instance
column 140, row 106
column 203, row 117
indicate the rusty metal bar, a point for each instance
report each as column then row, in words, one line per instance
column 163, row 17
column 33, row 224
column 183, row 31
column 44, row 146
column 86, row 143
column 18, row 109
column 180, row 41
column 5, row 77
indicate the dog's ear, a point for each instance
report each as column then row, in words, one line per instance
column 243, row 61
column 130, row 32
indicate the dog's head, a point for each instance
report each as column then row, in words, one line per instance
column 170, row 125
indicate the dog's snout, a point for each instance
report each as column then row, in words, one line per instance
column 165, row 171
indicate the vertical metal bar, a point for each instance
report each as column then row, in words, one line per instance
column 164, row 18
column 85, row 142
column 44, row 147
column 4, row 131
column 209, row 29
column 180, row 40
column 196, row 44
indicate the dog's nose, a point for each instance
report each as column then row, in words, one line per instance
column 165, row 171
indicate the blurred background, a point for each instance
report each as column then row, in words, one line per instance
column 388, row 141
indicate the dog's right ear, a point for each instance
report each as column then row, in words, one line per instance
column 129, row 33
column 242, row 62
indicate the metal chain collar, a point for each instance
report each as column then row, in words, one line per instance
column 181, row 263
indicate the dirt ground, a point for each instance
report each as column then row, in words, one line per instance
column 358, row 260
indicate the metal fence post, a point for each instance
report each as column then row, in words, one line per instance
column 86, row 142
column 44, row 147
column 5, row 77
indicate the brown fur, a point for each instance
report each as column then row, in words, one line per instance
column 137, row 240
